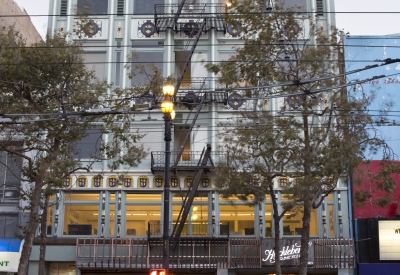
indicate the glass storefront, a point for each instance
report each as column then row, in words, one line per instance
column 81, row 215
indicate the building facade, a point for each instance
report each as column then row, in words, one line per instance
column 12, row 219
column 21, row 21
column 113, row 223
column 375, row 226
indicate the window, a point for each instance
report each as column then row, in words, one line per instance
column 120, row 7
column 143, row 60
column 145, row 6
column 10, row 176
column 8, row 226
column 180, row 134
column 98, row 7
column 96, row 62
column 81, row 219
column 142, row 210
column 302, row 4
column 268, row 216
column 89, row 146
column 49, row 227
column 62, row 268
column 63, row 7
column 194, row 69
column 320, row 8
column 197, row 223
column 293, row 223
column 239, row 216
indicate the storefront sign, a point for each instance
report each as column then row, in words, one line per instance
column 10, row 253
column 289, row 252
column 389, row 240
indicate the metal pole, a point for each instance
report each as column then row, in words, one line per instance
column 167, row 119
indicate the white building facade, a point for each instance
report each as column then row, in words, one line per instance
column 110, row 223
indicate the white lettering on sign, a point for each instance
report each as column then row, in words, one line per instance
column 287, row 253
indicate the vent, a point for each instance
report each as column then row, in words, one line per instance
column 120, row 8
column 320, row 8
column 64, row 8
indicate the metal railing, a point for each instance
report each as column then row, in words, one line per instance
column 188, row 159
column 191, row 253
column 199, row 253
column 334, row 253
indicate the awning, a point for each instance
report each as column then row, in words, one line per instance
column 10, row 253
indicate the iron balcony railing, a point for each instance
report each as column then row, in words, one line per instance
column 334, row 253
column 191, row 253
column 176, row 17
column 187, row 161
column 199, row 253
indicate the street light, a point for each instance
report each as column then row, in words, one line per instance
column 167, row 108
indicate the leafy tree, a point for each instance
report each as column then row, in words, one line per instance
column 315, row 138
column 56, row 96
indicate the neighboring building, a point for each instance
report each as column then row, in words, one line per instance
column 12, row 219
column 13, row 15
column 375, row 226
column 113, row 223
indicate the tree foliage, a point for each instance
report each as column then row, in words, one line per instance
column 54, row 95
column 313, row 138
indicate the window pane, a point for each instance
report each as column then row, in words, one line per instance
column 111, row 219
column 143, row 198
column 64, row 268
column 180, row 133
column 89, row 146
column 290, row 3
column 145, row 59
column 293, row 223
column 81, row 219
column 92, row 6
column 82, row 196
column 268, row 220
column 145, row 6
column 180, row 61
column 197, row 221
column 138, row 217
column 49, row 220
column 331, row 221
column 240, row 218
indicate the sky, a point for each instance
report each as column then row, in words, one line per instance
column 353, row 20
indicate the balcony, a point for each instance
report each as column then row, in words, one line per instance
column 201, row 254
column 174, row 17
column 187, row 161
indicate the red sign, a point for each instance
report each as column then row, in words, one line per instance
column 157, row 272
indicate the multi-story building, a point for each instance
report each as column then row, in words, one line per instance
column 12, row 219
column 113, row 223
column 376, row 225
column 12, row 15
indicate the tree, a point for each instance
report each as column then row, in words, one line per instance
column 313, row 138
column 56, row 96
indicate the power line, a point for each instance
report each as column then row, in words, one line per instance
column 200, row 14
column 83, row 46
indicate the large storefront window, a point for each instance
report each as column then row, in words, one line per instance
column 80, row 219
column 197, row 223
column 81, row 213
column 239, row 216
column 293, row 223
column 141, row 210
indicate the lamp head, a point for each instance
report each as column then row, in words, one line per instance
column 167, row 106
column 168, row 90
